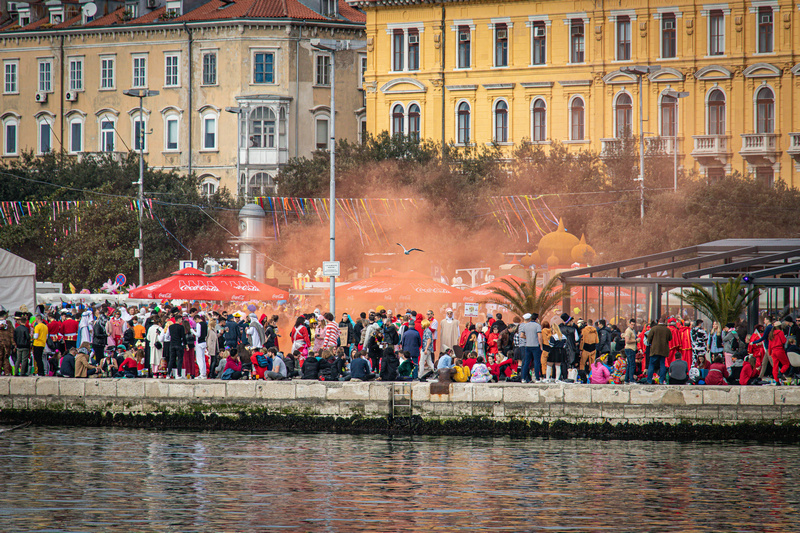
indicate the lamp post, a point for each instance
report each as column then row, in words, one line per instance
column 140, row 94
column 677, row 95
column 333, row 46
column 639, row 71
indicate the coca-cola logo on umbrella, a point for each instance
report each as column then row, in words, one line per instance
column 244, row 286
column 192, row 285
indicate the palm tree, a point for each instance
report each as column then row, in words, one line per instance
column 725, row 304
column 522, row 297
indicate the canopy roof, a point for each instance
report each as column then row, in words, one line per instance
column 194, row 284
column 393, row 286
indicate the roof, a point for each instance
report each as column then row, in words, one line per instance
column 69, row 22
column 115, row 17
column 149, row 17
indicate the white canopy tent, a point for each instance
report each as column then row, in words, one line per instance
column 17, row 282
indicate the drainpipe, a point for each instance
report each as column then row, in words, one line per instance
column 444, row 59
column 61, row 96
column 297, row 90
column 191, row 110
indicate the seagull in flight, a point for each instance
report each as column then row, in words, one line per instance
column 407, row 252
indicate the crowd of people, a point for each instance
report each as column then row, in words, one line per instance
column 174, row 342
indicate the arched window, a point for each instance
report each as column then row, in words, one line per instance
column 765, row 111
column 398, row 120
column 260, row 184
column 413, row 121
column 669, row 116
column 11, row 136
column 716, row 113
column 576, row 111
column 463, row 123
column 262, row 128
column 208, row 185
column 45, row 127
column 539, row 120
column 623, row 116
column 501, row 122
column 107, row 134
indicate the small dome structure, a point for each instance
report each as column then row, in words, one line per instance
column 536, row 258
column 583, row 253
column 526, row 260
column 558, row 243
column 553, row 261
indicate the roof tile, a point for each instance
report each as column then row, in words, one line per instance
column 115, row 17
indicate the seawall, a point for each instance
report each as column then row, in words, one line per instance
column 674, row 412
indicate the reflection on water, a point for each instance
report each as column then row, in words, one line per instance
column 90, row 479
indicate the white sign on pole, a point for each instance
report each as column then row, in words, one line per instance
column 330, row 269
column 187, row 264
column 470, row 310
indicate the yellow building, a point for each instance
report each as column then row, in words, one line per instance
column 242, row 84
column 480, row 72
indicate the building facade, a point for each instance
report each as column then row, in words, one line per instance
column 242, row 84
column 471, row 72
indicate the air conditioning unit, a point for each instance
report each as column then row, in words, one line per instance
column 152, row 4
column 538, row 31
column 41, row 97
column 413, row 38
column 71, row 96
column 463, row 36
column 502, row 34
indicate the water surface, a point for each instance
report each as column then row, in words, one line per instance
column 100, row 479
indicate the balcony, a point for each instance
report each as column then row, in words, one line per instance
column 617, row 146
column 712, row 151
column 663, row 145
column 263, row 156
column 113, row 156
column 794, row 147
column 760, row 148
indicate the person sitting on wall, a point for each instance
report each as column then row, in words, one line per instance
column 718, row 372
column 278, row 371
column 406, row 368
column 359, row 368
column 311, row 366
column 84, row 369
column 463, row 372
column 261, row 363
column 599, row 373
column 678, row 370
column 480, row 374
column 233, row 367
column 389, row 365
column 748, row 375
column 67, row 364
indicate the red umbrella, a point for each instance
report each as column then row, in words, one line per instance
column 243, row 288
column 392, row 286
column 194, row 284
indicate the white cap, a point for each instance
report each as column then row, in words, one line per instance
column 527, row 316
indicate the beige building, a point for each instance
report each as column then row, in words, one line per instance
column 242, row 86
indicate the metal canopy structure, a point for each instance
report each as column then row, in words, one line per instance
column 771, row 265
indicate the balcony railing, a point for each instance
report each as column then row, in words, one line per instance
column 711, row 145
column 655, row 145
column 794, row 144
column 663, row 145
column 263, row 156
column 759, row 143
column 114, row 156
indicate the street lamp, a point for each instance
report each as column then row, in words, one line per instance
column 333, row 46
column 140, row 94
column 676, row 95
column 639, row 71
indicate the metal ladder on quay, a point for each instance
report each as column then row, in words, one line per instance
column 401, row 400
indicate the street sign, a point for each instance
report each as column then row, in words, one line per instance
column 471, row 310
column 330, row 269
column 187, row 264
column 120, row 280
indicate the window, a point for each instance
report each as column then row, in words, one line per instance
column 328, row 8
column 171, row 70
column 76, row 74
column 139, row 134
column 398, row 120
column 463, row 123
column 669, row 116
column 576, row 41
column 139, row 72
column 765, row 45
column 209, row 132
column 11, row 70
column 260, row 184
column 464, row 52
column 363, row 71
column 716, row 113
column 716, row 33
column 398, row 50
column 501, row 45
column 576, row 110
column 323, row 75
column 623, row 38
column 413, row 122
column 363, row 135
column 501, row 122
column 46, row 76
column 264, row 67
column 171, row 137
column 539, row 121
column 76, row 135
column 765, row 111
column 210, row 68
column 173, row 8
column 209, row 186
column 106, row 72
column 131, row 11
column 623, row 116
column 262, row 128
column 322, row 133
column 539, row 43
column 45, row 135
column 669, row 43
column 413, row 49
column 107, row 135
column 765, row 177
column 10, row 133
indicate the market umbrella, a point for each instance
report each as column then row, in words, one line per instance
column 194, row 284
column 393, row 286
column 242, row 288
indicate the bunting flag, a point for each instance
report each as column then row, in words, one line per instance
column 523, row 214
column 12, row 213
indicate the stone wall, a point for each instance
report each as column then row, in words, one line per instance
column 572, row 403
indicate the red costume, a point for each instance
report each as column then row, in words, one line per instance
column 756, row 350
column 780, row 361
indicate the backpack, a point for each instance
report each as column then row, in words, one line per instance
column 228, row 374
column 735, row 344
column 262, row 360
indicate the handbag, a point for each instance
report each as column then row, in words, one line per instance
column 228, row 374
column 572, row 374
column 159, row 345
